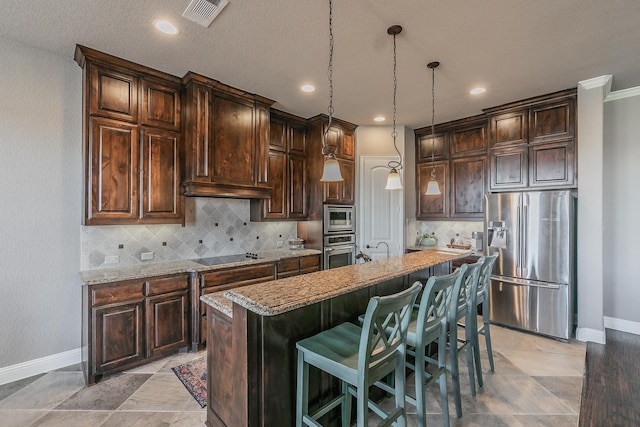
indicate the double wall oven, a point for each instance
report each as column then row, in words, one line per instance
column 339, row 242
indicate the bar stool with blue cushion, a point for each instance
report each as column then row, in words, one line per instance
column 358, row 357
column 458, row 309
column 483, row 298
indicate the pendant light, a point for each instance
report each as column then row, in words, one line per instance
column 393, row 179
column 331, row 169
column 433, row 189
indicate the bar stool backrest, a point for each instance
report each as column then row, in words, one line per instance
column 436, row 296
column 485, row 273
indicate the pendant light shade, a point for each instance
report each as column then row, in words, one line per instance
column 433, row 189
column 393, row 179
column 331, row 170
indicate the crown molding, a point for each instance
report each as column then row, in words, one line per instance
column 597, row 82
column 623, row 93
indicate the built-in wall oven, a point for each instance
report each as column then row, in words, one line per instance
column 339, row 250
column 339, row 219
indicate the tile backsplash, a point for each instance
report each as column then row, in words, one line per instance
column 213, row 227
column 444, row 230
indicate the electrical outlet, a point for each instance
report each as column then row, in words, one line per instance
column 279, row 244
column 145, row 256
column 111, row 259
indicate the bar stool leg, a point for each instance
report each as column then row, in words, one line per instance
column 486, row 331
column 442, row 363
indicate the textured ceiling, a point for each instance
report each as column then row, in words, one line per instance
column 515, row 48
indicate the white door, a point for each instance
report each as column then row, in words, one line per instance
column 381, row 212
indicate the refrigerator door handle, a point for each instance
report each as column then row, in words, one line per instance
column 519, row 241
column 525, row 282
column 524, row 271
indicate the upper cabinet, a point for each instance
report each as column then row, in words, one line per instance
column 533, row 143
column 459, row 153
column 226, row 140
column 132, row 123
column 286, row 171
column 340, row 134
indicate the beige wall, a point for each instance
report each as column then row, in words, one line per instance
column 40, row 203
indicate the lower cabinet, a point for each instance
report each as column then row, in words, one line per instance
column 129, row 323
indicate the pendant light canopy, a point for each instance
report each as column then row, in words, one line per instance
column 331, row 169
column 433, row 189
column 393, row 179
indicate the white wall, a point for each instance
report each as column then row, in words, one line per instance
column 622, row 204
column 40, row 203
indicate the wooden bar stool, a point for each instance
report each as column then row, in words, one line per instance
column 358, row 357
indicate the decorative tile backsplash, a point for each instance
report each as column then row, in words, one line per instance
column 213, row 227
column 444, row 230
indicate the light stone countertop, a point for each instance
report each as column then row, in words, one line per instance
column 279, row 296
column 218, row 301
column 445, row 249
column 106, row 275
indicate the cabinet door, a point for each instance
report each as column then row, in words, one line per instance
column 333, row 138
column 119, row 336
column 509, row 169
column 233, row 150
column 347, row 146
column 197, row 133
column 439, row 145
column 276, row 206
column 342, row 191
column 262, row 143
column 160, row 105
column 297, row 191
column 167, row 322
column 113, row 172
column 468, row 186
column 552, row 164
column 309, row 264
column 436, row 206
column 297, row 139
column 113, row 93
column 552, row 121
column 278, row 134
column 469, row 140
column 288, row 267
column 509, row 129
column 161, row 197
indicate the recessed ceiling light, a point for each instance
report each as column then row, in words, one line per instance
column 166, row 27
column 308, row 88
column 477, row 91
column 379, row 119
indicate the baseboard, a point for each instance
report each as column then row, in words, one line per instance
column 38, row 366
column 593, row 335
column 622, row 325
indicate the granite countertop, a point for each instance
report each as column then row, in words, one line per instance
column 445, row 249
column 106, row 275
column 218, row 301
column 279, row 296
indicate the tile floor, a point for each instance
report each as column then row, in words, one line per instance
column 537, row 382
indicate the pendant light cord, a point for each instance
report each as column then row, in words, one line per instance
column 433, row 116
column 394, row 134
column 330, row 75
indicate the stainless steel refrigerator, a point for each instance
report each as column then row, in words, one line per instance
column 533, row 282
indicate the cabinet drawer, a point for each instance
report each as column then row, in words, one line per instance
column 166, row 285
column 111, row 293
column 309, row 263
column 288, row 265
column 245, row 275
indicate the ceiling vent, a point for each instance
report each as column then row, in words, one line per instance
column 203, row 12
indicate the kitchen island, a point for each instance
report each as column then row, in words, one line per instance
column 252, row 332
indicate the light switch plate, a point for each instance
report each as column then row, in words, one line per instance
column 111, row 259
column 145, row 256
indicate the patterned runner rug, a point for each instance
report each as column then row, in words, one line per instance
column 194, row 377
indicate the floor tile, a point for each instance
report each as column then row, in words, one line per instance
column 20, row 417
column 46, row 392
column 190, row 419
column 523, row 395
column 72, row 418
column 568, row 389
column 546, row 420
column 161, row 392
column 7, row 390
column 140, row 419
column 109, row 394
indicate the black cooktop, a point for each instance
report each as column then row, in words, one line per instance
column 226, row 259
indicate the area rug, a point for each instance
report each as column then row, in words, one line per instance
column 194, row 377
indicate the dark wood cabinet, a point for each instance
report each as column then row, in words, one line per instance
column 468, row 186
column 226, row 140
column 288, row 267
column 533, row 143
column 161, row 198
column 112, row 171
column 129, row 323
column 132, row 126
column 342, row 191
column 286, row 171
column 432, row 206
column 462, row 178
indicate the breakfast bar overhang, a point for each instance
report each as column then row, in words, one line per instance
column 252, row 332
